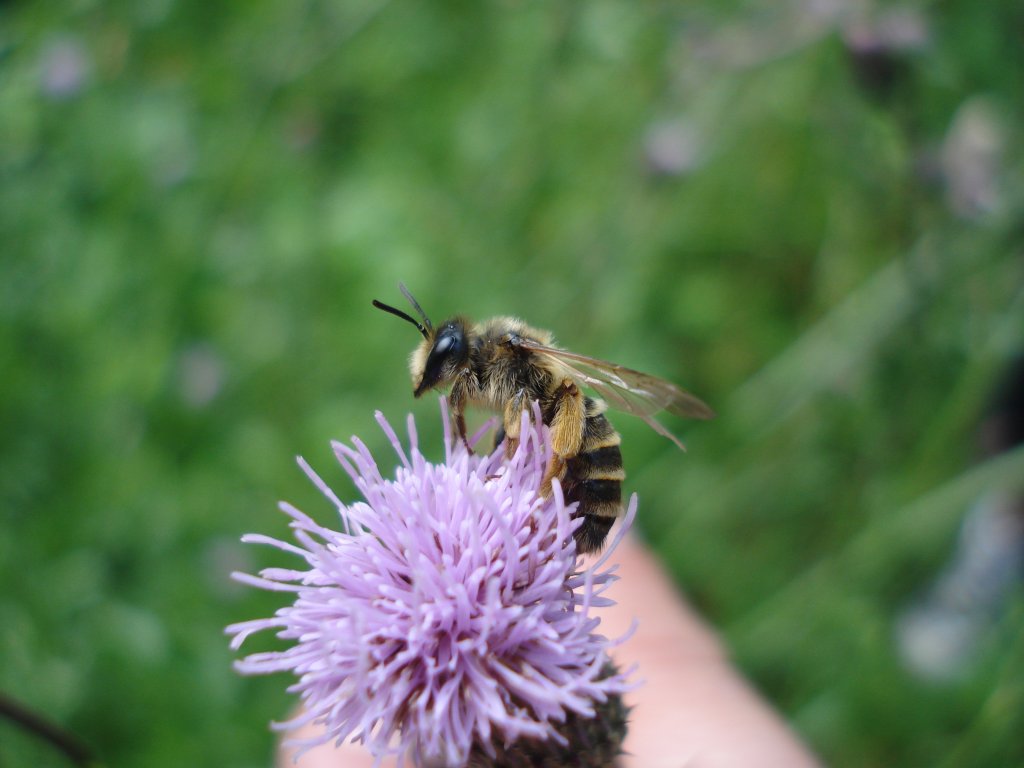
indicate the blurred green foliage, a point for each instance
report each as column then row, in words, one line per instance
column 807, row 212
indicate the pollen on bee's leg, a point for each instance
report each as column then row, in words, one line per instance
column 568, row 421
column 511, row 446
column 556, row 468
column 512, row 422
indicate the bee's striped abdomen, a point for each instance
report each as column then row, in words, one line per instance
column 594, row 478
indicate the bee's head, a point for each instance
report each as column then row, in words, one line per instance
column 442, row 353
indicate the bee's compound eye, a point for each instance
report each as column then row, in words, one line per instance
column 443, row 345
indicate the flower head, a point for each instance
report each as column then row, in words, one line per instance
column 448, row 614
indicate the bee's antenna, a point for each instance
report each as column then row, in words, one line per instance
column 403, row 315
column 416, row 304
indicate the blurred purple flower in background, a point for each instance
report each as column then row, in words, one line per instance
column 65, row 68
column 449, row 616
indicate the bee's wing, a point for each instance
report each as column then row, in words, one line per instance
column 627, row 390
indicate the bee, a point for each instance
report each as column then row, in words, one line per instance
column 503, row 364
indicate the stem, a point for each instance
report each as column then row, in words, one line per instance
column 56, row 736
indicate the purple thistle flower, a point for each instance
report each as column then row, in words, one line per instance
column 450, row 614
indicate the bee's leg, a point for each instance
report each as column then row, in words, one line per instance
column 570, row 415
column 513, row 421
column 457, row 405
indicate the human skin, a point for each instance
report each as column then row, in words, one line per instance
column 693, row 709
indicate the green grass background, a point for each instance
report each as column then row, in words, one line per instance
column 195, row 218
